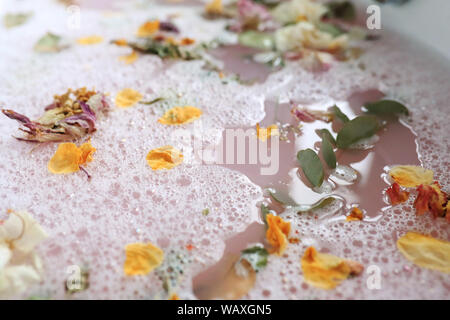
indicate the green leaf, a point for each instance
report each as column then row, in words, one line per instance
column 324, row 133
column 49, row 43
column 152, row 101
column 256, row 256
column 258, row 40
column 264, row 212
column 359, row 128
column 11, row 20
column 311, row 166
column 320, row 204
column 332, row 29
column 328, row 153
column 282, row 198
column 338, row 113
column 344, row 10
column 386, row 106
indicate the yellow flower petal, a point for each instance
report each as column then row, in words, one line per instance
column 130, row 58
column 148, row 28
column 264, row 133
column 214, row 7
column 425, row 251
column 277, row 233
column 165, row 157
column 411, row 176
column 142, row 258
column 120, row 42
column 355, row 215
column 90, row 40
column 66, row 159
column 180, row 115
column 127, row 98
column 326, row 271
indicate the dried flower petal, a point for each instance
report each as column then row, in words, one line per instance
column 396, row 195
column 68, row 157
column 430, row 198
column 425, row 251
column 180, row 115
column 264, row 133
column 166, row 157
column 127, row 98
column 142, row 258
column 130, row 58
column 214, row 8
column 90, row 40
column 411, row 176
column 120, row 42
column 148, row 29
column 355, row 215
column 277, row 233
column 325, row 270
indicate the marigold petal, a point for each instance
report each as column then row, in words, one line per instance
column 264, row 133
column 430, row 198
column 411, row 176
column 66, row 159
column 355, row 215
column 127, row 98
column 396, row 195
column 90, row 40
column 425, row 251
column 180, row 115
column 87, row 150
column 277, row 233
column 326, row 271
column 129, row 58
column 148, row 28
column 142, row 258
column 165, row 157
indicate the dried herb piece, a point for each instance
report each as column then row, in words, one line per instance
column 152, row 101
column 386, row 107
column 325, row 134
column 344, row 10
column 332, row 29
column 205, row 212
column 71, row 116
column 359, row 128
column 164, row 49
column 256, row 256
column 338, row 113
column 50, row 42
column 11, row 20
column 328, row 153
column 257, row 40
column 77, row 283
column 311, row 166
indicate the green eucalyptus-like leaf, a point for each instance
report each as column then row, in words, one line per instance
column 256, row 256
column 338, row 113
column 325, row 134
column 359, row 128
column 282, row 198
column 328, row 153
column 319, row 204
column 311, row 166
column 385, row 107
column 257, row 40
column 50, row 42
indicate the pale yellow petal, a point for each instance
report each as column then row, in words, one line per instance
column 142, row 258
column 411, row 176
column 90, row 40
column 66, row 159
column 165, row 157
column 127, row 98
column 130, row 58
column 425, row 251
column 180, row 115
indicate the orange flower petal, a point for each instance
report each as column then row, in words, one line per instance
column 396, row 195
column 326, row 271
column 66, row 159
column 355, row 215
column 121, row 42
column 127, row 98
column 87, row 150
column 148, row 28
column 411, row 176
column 425, row 251
column 90, row 40
column 214, row 7
column 264, row 133
column 277, row 233
column 165, row 157
column 180, row 115
column 142, row 258
column 130, row 58
column 430, row 198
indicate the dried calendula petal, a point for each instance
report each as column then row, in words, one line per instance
column 326, row 271
column 120, row 42
column 425, row 251
column 148, row 28
column 130, row 58
column 277, row 233
column 180, row 115
column 355, row 215
column 396, row 195
column 411, row 176
column 142, row 258
column 264, row 133
column 430, row 198
column 215, row 7
column 165, row 157
column 68, row 157
column 86, row 41
column 127, row 98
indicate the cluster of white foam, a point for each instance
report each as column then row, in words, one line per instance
column 89, row 223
